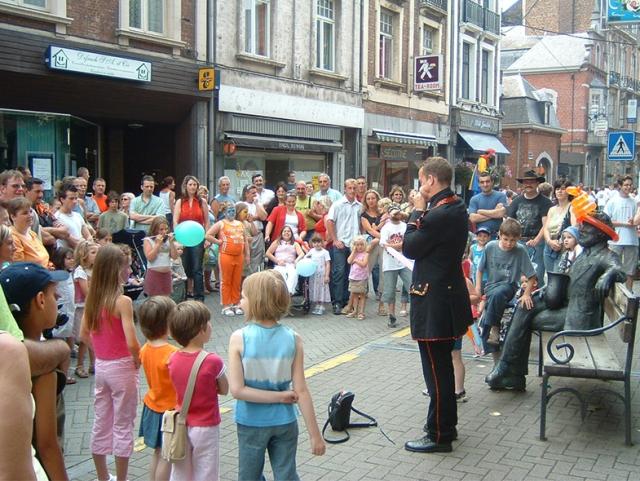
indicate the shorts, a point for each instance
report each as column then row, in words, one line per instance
column 628, row 258
column 457, row 345
column 150, row 424
column 358, row 287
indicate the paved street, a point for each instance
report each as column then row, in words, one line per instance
column 498, row 432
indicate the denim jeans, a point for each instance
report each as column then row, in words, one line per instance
column 551, row 258
column 281, row 442
column 339, row 282
column 192, row 259
column 391, row 281
column 536, row 254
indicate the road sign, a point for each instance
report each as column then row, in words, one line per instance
column 622, row 146
column 206, row 79
column 600, row 128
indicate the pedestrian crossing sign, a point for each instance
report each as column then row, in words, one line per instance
column 622, row 146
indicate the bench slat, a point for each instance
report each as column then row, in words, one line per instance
column 581, row 364
column 604, row 358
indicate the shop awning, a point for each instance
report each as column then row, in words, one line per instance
column 482, row 142
column 388, row 137
column 282, row 143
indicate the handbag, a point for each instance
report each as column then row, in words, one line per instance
column 339, row 416
column 174, row 423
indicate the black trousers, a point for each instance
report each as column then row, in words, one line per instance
column 437, row 369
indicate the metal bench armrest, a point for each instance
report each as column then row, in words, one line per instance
column 577, row 333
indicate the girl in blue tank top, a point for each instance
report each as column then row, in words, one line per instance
column 266, row 376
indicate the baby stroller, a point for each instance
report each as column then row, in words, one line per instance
column 300, row 301
column 134, row 239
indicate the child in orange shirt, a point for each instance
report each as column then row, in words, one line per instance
column 161, row 397
column 233, row 253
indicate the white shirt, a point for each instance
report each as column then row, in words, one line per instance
column 622, row 209
column 265, row 196
column 390, row 234
column 74, row 223
column 346, row 217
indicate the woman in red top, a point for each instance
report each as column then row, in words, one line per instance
column 286, row 214
column 192, row 207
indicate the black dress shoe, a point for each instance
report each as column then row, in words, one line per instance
column 426, row 445
column 337, row 310
column 500, row 378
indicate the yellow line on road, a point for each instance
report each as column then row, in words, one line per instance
column 402, row 332
column 331, row 363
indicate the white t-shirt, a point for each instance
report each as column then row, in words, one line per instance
column 292, row 221
column 622, row 209
column 74, row 223
column 79, row 273
column 390, row 234
column 253, row 210
column 319, row 256
column 265, row 196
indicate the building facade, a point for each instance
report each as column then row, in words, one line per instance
column 109, row 85
column 290, row 90
column 475, row 66
column 594, row 70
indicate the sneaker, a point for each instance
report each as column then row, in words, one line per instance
column 403, row 313
column 392, row 321
column 228, row 311
column 321, row 310
column 461, row 397
column 336, row 310
column 238, row 311
column 494, row 336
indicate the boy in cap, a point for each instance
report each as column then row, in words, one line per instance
column 30, row 291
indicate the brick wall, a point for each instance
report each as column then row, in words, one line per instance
column 94, row 20
column 521, row 143
column 565, row 16
column 573, row 101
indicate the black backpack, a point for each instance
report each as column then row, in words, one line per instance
column 339, row 415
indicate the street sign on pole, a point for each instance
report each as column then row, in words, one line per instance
column 622, row 146
column 600, row 128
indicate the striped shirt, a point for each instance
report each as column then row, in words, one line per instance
column 267, row 361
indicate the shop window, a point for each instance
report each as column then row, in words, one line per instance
column 147, row 15
column 325, row 34
column 51, row 11
column 257, row 27
column 385, row 46
column 156, row 21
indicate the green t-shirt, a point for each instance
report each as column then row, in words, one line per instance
column 304, row 206
column 113, row 221
column 7, row 321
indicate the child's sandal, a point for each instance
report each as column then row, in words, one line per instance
column 361, row 316
column 81, row 373
column 352, row 314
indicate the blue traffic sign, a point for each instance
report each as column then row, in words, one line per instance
column 622, row 146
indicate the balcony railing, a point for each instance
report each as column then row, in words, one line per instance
column 482, row 17
column 623, row 82
column 439, row 4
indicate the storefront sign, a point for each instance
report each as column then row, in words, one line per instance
column 428, row 73
column 399, row 153
column 479, row 123
column 80, row 61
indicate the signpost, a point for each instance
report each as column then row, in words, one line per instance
column 621, row 146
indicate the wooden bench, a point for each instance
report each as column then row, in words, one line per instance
column 590, row 355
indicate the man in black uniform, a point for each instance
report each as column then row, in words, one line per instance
column 436, row 238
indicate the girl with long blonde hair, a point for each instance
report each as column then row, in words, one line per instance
column 108, row 325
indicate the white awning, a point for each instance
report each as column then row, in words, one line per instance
column 482, row 142
column 405, row 138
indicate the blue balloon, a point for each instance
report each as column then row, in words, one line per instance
column 189, row 233
column 306, row 268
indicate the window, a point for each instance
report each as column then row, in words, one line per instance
column 34, row 3
column 257, row 26
column 325, row 35
column 484, row 77
column 466, row 70
column 385, row 53
column 49, row 11
column 147, row 15
column 428, row 37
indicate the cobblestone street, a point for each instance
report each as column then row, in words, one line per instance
column 498, row 431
